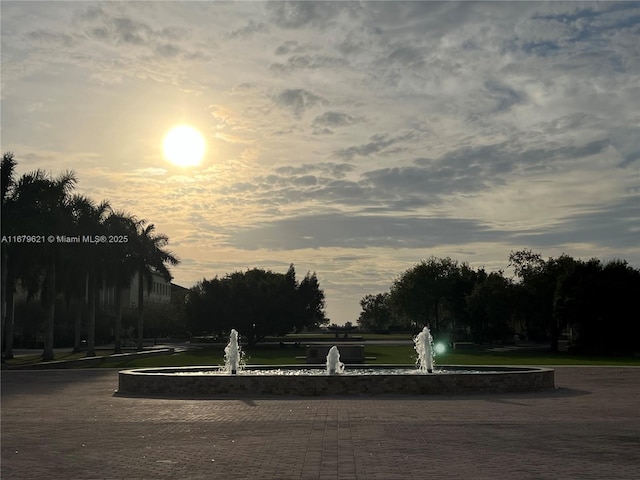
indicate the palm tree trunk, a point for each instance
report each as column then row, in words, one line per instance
column 118, row 323
column 77, row 305
column 7, row 287
column 140, row 309
column 49, row 303
column 8, row 323
column 91, row 317
column 3, row 295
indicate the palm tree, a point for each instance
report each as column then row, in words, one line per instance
column 7, row 284
column 42, row 203
column 150, row 257
column 19, row 258
column 121, row 266
column 89, row 259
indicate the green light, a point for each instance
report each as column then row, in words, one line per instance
column 439, row 348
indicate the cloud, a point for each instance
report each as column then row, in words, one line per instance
column 305, row 181
column 474, row 169
column 334, row 119
column 378, row 144
column 52, row 39
column 298, row 100
column 295, row 15
column 405, row 56
column 341, row 230
column 167, row 50
column 331, row 169
column 322, row 123
column 251, row 28
column 288, row 47
column 312, row 62
column 108, row 26
column 612, row 226
column 504, row 96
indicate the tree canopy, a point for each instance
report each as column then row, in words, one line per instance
column 39, row 212
column 256, row 303
column 592, row 304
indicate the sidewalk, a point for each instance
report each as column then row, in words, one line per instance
column 67, row 424
column 149, row 350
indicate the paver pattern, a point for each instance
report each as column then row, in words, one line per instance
column 69, row 424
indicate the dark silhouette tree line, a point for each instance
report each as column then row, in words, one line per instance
column 591, row 302
column 256, row 303
column 36, row 206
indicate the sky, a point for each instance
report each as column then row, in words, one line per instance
column 352, row 139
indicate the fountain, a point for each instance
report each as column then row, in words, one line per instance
column 232, row 354
column 423, row 345
column 333, row 379
column 334, row 365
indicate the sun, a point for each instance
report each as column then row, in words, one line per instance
column 184, row 146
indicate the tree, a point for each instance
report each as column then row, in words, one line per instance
column 265, row 303
column 537, row 292
column 490, row 306
column 89, row 259
column 462, row 284
column 256, row 303
column 150, row 256
column 7, row 285
column 422, row 292
column 311, row 302
column 120, row 263
column 598, row 303
column 620, row 284
column 534, row 297
column 376, row 312
column 43, row 205
column 206, row 306
column 577, row 301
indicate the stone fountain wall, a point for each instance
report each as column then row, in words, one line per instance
column 166, row 382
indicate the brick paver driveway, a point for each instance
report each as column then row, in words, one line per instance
column 68, row 424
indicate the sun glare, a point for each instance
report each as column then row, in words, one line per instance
column 184, row 146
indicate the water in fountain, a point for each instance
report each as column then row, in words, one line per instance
column 334, row 365
column 232, row 354
column 424, row 348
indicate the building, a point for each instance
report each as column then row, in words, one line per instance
column 160, row 294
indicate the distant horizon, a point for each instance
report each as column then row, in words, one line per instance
column 351, row 139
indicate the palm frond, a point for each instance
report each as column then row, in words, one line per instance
column 7, row 180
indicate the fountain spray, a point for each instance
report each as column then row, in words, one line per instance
column 424, row 348
column 334, row 365
column 232, row 354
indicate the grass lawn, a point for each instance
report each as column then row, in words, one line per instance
column 30, row 359
column 405, row 354
column 202, row 356
column 328, row 337
column 530, row 357
column 384, row 354
column 260, row 355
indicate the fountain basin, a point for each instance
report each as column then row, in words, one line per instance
column 291, row 380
